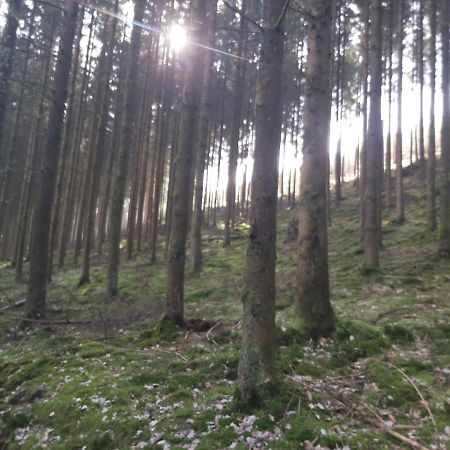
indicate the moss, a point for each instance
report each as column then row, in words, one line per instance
column 217, row 439
column 92, row 349
column 395, row 390
column 357, row 339
column 198, row 295
column 11, row 421
column 201, row 422
column 264, row 423
column 303, row 427
column 398, row 333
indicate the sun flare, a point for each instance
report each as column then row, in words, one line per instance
column 177, row 37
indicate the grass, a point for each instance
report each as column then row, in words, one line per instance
column 126, row 382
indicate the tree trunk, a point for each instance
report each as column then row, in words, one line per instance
column 35, row 302
column 185, row 154
column 98, row 136
column 388, row 172
column 374, row 143
column 239, row 83
column 131, row 96
column 444, row 228
column 421, row 84
column 431, row 167
column 8, row 46
column 258, row 338
column 313, row 295
column 203, row 131
column 400, row 206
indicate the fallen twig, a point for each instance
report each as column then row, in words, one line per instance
column 208, row 334
column 12, row 306
column 425, row 403
column 53, row 322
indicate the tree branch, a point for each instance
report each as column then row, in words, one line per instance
column 241, row 13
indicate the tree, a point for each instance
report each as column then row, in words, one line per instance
column 36, row 296
column 431, row 167
column 203, row 131
column 7, row 46
column 185, row 155
column 444, row 211
column 313, row 293
column 98, row 137
column 236, row 123
column 131, row 96
column 374, row 142
column 258, row 338
column 399, row 199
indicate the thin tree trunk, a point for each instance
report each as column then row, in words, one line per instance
column 431, row 167
column 421, row 84
column 203, row 132
column 239, row 83
column 131, row 96
column 98, row 136
column 400, row 206
column 444, row 223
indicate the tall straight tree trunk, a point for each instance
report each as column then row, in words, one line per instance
column 185, row 155
column 36, row 296
column 258, row 337
column 444, row 228
column 69, row 197
column 313, row 294
column 131, row 96
column 399, row 205
column 388, row 172
column 374, row 143
column 31, row 165
column 8, row 198
column 203, row 131
column 421, row 84
column 365, row 70
column 116, row 136
column 69, row 130
column 8, row 46
column 239, row 83
column 431, row 167
column 98, row 137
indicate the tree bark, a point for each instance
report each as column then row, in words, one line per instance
column 374, row 144
column 182, row 188
column 131, row 95
column 36, row 296
column 431, row 166
column 203, row 131
column 444, row 228
column 399, row 205
column 8, row 46
column 313, row 294
column 258, row 339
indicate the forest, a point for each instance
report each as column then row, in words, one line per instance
column 225, row 224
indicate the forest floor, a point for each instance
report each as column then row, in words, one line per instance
column 108, row 379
